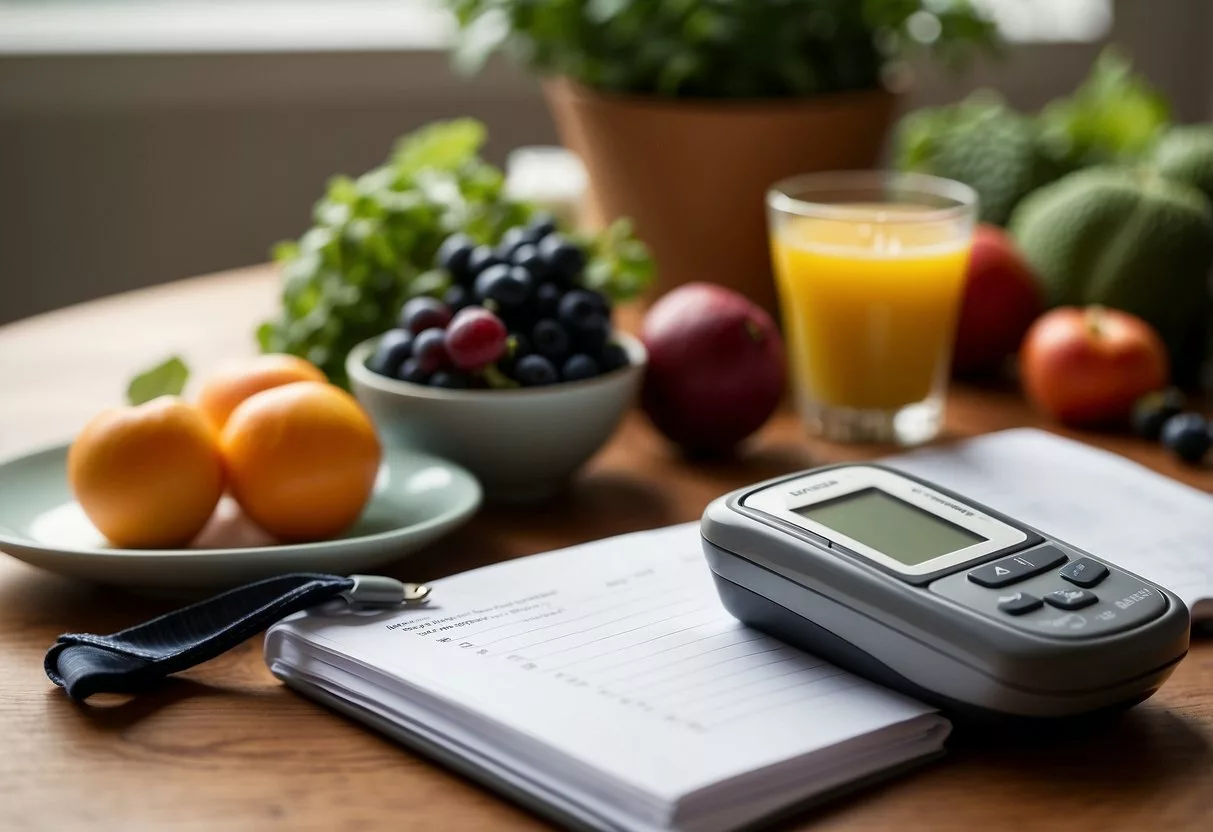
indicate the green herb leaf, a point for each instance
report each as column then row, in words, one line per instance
column 166, row 379
column 442, row 146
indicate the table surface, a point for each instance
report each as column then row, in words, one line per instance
column 230, row 748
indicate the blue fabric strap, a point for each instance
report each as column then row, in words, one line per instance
column 131, row 660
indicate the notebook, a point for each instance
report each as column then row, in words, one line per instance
column 1099, row 501
column 605, row 686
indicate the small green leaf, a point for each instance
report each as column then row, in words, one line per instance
column 166, row 379
column 443, row 145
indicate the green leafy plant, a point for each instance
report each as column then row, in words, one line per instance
column 374, row 238
column 719, row 48
column 1113, row 117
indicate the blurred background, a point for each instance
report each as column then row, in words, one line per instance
column 142, row 141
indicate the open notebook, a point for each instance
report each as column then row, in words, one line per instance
column 605, row 685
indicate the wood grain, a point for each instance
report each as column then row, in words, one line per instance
column 227, row 747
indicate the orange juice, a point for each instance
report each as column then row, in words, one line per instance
column 870, row 303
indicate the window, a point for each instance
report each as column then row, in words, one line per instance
column 1051, row 21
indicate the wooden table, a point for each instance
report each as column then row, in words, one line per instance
column 231, row 749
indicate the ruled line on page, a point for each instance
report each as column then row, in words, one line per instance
column 634, row 660
column 612, row 605
column 595, row 628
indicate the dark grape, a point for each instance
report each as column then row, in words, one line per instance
column 508, row 286
column 481, row 258
column 453, row 381
column 411, row 370
column 393, row 348
column 540, row 226
column 551, row 339
column 527, row 257
column 510, row 241
column 613, row 357
column 423, row 313
column 547, row 299
column 1152, row 410
column 457, row 297
column 453, row 255
column 429, row 350
column 1187, row 436
column 564, row 258
column 475, row 338
column 535, row 370
column 578, row 367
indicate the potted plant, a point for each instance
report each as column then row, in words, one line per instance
column 686, row 112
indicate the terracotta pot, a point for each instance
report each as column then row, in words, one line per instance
column 693, row 175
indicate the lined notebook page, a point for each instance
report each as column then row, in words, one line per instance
column 618, row 653
column 1112, row 507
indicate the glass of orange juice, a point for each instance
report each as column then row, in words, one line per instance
column 870, row 269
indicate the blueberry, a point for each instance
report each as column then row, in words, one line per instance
column 510, row 241
column 429, row 350
column 481, row 258
column 453, row 255
column 453, row 381
column 564, row 259
column 540, row 226
column 551, row 339
column 520, row 318
column 457, row 297
column 578, row 367
column 423, row 313
column 410, row 370
column 1152, row 410
column 535, row 370
column 593, row 334
column 393, row 348
column 527, row 256
column 547, row 299
column 613, row 357
column 509, row 286
column 1187, row 436
column 578, row 306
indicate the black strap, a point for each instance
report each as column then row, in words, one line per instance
column 130, row 660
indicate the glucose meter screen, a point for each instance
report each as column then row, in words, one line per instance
column 906, row 533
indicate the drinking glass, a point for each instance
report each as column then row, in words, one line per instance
column 870, row 269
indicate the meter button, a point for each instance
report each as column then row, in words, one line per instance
column 1071, row 599
column 1084, row 572
column 1018, row 603
column 1017, row 567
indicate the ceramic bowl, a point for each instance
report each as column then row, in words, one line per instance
column 522, row 444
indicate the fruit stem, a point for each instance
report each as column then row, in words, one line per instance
column 754, row 330
column 1094, row 321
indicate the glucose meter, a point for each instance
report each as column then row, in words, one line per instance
column 927, row 592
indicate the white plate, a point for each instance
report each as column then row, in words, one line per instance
column 417, row 499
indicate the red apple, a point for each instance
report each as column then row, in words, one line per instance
column 1001, row 300
column 1088, row 365
column 716, row 367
